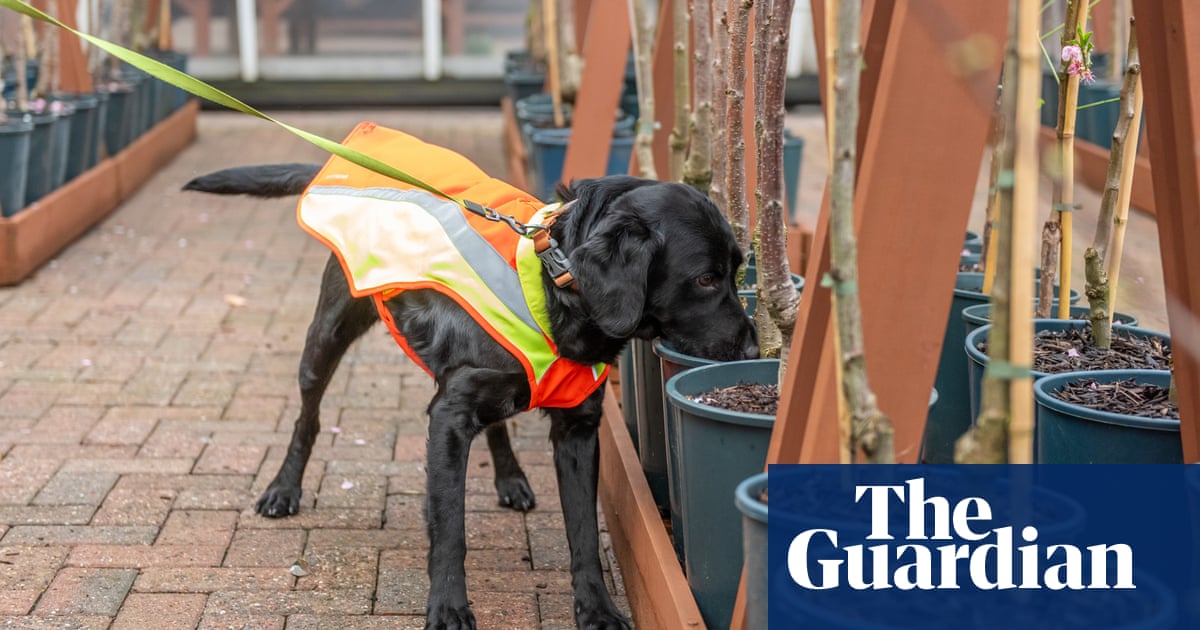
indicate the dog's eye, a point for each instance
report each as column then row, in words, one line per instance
column 707, row 280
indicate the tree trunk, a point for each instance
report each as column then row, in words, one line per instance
column 678, row 140
column 735, row 145
column 871, row 429
column 776, row 293
column 697, row 169
column 720, row 46
column 1119, row 176
column 643, row 54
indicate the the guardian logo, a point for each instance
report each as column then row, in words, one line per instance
column 977, row 554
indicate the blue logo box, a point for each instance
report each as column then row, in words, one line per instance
column 980, row 547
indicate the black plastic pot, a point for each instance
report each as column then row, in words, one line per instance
column 60, row 145
column 14, row 164
column 119, row 119
column 39, row 178
column 84, row 133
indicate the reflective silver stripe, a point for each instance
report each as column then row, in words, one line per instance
column 502, row 280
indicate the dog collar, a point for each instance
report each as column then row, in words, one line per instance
column 553, row 259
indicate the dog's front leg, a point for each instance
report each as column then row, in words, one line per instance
column 577, row 464
column 467, row 399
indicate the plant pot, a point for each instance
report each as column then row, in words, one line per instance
column 522, row 75
column 977, row 361
column 718, row 449
column 748, row 498
column 951, row 416
column 119, row 119
column 1096, row 124
column 550, row 152
column 629, row 392
column 672, row 363
column 82, row 152
column 171, row 98
column 793, row 157
column 60, row 145
column 1074, row 434
column 651, row 429
column 39, row 178
column 1049, row 109
column 14, row 164
column 973, row 242
column 981, row 315
column 967, row 261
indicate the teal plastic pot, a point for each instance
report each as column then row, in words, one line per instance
column 651, row 427
column 718, row 449
column 967, row 259
column 39, row 178
column 1095, row 124
column 951, row 416
column 60, row 145
column 793, row 158
column 521, row 81
column 83, row 137
column 549, row 153
column 977, row 361
column 754, row 547
column 981, row 315
column 118, row 120
column 1073, row 434
column 671, row 363
column 973, row 242
column 1049, row 109
column 628, row 392
column 14, row 164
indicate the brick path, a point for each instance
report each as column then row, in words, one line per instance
column 147, row 393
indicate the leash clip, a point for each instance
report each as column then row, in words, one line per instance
column 557, row 265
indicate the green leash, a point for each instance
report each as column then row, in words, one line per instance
column 195, row 86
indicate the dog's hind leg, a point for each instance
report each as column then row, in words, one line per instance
column 577, row 466
column 511, row 485
column 338, row 321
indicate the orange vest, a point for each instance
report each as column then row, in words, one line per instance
column 391, row 237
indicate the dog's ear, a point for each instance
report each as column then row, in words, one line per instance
column 611, row 267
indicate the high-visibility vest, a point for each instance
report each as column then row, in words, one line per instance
column 390, row 237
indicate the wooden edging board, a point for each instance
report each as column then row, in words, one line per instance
column 659, row 596
column 41, row 230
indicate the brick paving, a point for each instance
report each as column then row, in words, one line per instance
column 147, row 393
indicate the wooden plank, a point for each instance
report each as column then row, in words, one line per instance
column 658, row 592
column 1170, row 69
column 604, row 49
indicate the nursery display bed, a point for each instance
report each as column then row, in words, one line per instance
column 37, row 233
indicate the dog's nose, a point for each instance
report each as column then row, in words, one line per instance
column 749, row 342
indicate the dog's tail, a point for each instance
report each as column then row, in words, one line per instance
column 267, row 180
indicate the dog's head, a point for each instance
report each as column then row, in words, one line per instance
column 654, row 259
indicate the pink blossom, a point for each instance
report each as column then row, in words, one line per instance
column 1072, row 54
column 1087, row 77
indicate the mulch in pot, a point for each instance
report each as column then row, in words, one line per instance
column 1128, row 397
column 1057, row 351
column 1071, row 350
column 743, row 397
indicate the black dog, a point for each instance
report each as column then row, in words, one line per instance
column 650, row 259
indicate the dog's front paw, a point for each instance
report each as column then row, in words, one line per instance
column 448, row 617
column 278, row 501
column 514, row 492
column 600, row 619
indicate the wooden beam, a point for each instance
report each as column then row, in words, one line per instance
column 658, row 592
column 605, row 49
column 1170, row 67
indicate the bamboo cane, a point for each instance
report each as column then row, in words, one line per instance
column 1025, row 199
column 550, row 30
column 164, row 25
column 1068, row 108
column 990, row 235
